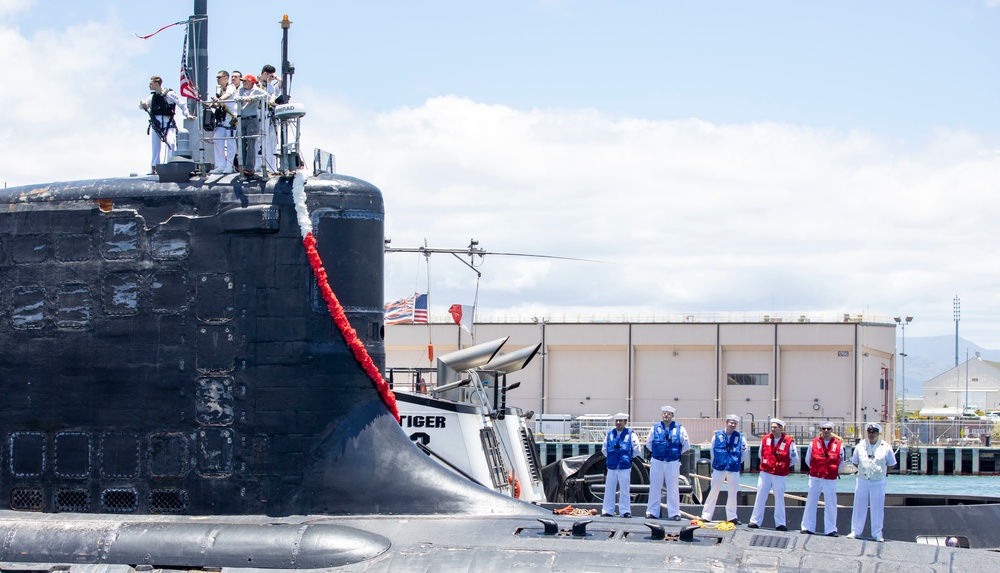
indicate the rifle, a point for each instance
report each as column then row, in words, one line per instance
column 216, row 104
column 156, row 126
column 232, row 116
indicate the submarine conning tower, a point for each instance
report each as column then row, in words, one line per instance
column 164, row 349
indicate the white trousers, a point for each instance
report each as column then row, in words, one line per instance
column 868, row 493
column 828, row 488
column 767, row 483
column 162, row 152
column 621, row 480
column 225, row 147
column 270, row 145
column 661, row 471
column 718, row 476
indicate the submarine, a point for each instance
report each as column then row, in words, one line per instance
column 191, row 372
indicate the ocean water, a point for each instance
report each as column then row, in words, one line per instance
column 985, row 486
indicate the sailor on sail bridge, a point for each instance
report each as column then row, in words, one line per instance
column 160, row 106
column 224, row 123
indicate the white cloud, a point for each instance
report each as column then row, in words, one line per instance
column 13, row 6
column 75, row 111
column 694, row 215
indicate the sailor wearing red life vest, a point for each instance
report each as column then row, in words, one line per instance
column 777, row 456
column 667, row 441
column 728, row 451
column 825, row 458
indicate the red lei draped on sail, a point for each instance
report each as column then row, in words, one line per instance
column 350, row 335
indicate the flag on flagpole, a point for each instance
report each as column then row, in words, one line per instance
column 188, row 88
column 420, row 309
column 462, row 315
column 407, row 310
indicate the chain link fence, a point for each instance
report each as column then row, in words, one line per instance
column 958, row 432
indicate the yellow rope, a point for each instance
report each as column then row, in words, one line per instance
column 722, row 526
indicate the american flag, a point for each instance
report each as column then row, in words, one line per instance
column 408, row 310
column 420, row 309
column 188, row 89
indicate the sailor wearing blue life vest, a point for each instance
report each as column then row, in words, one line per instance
column 729, row 449
column 620, row 445
column 667, row 441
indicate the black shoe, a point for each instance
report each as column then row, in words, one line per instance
column 626, row 515
column 735, row 522
column 752, row 525
column 781, row 528
column 606, row 515
column 833, row 534
column 806, row 532
column 675, row 518
column 650, row 516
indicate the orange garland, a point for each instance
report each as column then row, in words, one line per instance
column 348, row 332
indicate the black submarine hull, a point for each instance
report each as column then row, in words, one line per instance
column 166, row 350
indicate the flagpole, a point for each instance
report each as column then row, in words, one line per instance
column 430, row 331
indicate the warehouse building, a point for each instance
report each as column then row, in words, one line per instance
column 800, row 368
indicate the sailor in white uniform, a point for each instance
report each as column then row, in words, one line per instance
column 729, row 449
column 825, row 458
column 620, row 446
column 778, row 455
column 161, row 105
column 667, row 441
column 272, row 85
column 224, row 137
column 873, row 457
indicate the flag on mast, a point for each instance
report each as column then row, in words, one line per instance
column 407, row 310
column 188, row 88
column 462, row 315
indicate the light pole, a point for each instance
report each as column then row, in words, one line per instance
column 957, row 306
column 903, row 322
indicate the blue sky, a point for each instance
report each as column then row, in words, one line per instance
column 726, row 157
column 901, row 67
